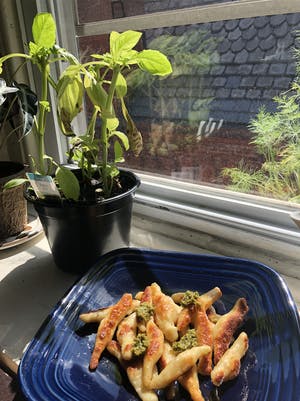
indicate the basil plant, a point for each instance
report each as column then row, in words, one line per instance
column 103, row 79
column 99, row 150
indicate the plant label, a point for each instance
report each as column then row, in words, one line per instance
column 43, row 185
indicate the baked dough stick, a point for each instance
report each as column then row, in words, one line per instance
column 147, row 295
column 114, row 348
column 206, row 300
column 185, row 318
column 209, row 297
column 178, row 366
column 153, row 352
column 165, row 313
column 126, row 334
column 229, row 365
column 167, row 356
column 226, row 326
column 134, row 370
column 135, row 376
column 108, row 326
column 97, row 315
column 188, row 380
column 204, row 332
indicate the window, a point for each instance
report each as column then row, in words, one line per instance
column 195, row 123
column 229, row 59
column 237, row 55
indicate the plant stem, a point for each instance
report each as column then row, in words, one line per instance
column 42, row 120
column 104, row 136
column 92, row 124
column 104, row 156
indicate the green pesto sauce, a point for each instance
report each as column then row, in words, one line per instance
column 189, row 298
column 189, row 340
column 144, row 311
column 140, row 344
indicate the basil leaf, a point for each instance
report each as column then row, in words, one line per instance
column 44, row 30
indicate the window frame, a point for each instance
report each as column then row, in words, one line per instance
column 191, row 15
column 175, row 200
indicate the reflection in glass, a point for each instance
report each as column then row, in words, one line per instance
column 195, row 123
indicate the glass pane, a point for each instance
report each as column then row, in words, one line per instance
column 195, row 123
column 100, row 10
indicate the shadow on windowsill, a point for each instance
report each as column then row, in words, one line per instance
column 27, row 295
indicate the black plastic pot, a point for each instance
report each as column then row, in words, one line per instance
column 78, row 234
column 13, row 206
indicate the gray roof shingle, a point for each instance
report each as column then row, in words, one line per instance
column 253, row 62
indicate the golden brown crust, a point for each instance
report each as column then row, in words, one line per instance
column 214, row 333
column 126, row 334
column 204, row 332
column 165, row 312
column 114, row 349
column 97, row 315
column 229, row 365
column 184, row 320
column 153, row 353
column 226, row 326
column 147, row 295
column 108, row 326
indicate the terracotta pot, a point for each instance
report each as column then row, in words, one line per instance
column 13, row 206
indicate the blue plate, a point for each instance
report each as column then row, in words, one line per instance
column 55, row 365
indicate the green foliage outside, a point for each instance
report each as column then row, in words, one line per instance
column 277, row 139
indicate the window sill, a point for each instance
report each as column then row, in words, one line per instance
column 190, row 217
column 158, row 234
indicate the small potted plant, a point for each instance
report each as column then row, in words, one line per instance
column 43, row 51
column 17, row 110
column 92, row 212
